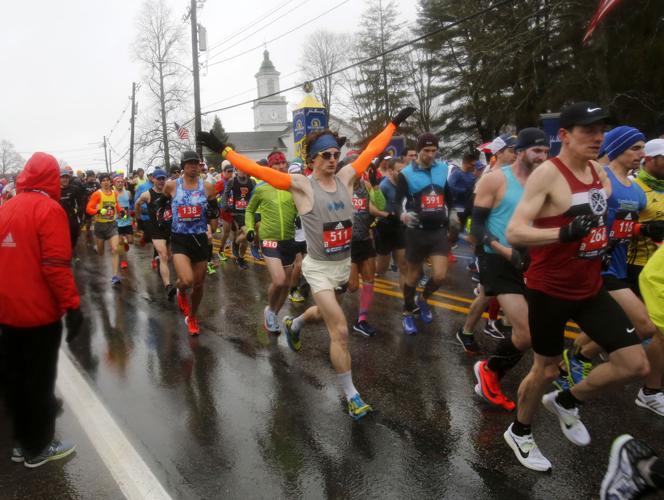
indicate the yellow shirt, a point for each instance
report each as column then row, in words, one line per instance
column 642, row 248
column 107, row 201
column 651, row 283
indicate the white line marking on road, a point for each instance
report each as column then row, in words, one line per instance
column 132, row 474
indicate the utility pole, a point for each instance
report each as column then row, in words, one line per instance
column 197, row 87
column 131, row 136
column 106, row 156
column 384, row 68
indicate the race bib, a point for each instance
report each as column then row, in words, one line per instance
column 594, row 243
column 359, row 204
column 432, row 201
column 337, row 236
column 167, row 215
column 270, row 243
column 110, row 211
column 623, row 226
column 189, row 213
column 241, row 204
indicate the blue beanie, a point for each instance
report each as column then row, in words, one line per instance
column 619, row 140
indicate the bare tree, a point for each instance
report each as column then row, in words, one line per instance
column 324, row 52
column 10, row 160
column 160, row 47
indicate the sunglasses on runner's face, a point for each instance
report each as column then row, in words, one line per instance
column 327, row 155
column 161, row 178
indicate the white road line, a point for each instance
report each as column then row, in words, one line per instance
column 132, row 474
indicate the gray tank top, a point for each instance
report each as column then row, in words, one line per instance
column 328, row 227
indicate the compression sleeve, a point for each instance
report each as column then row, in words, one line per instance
column 402, row 193
column 478, row 227
column 374, row 148
column 93, row 203
column 280, row 180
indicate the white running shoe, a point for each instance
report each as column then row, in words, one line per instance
column 622, row 480
column 526, row 451
column 271, row 321
column 570, row 422
column 653, row 402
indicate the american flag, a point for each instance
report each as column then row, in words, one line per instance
column 182, row 132
column 604, row 7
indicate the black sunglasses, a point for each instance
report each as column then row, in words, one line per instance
column 328, row 155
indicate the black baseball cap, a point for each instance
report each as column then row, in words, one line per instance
column 531, row 137
column 425, row 140
column 188, row 156
column 582, row 113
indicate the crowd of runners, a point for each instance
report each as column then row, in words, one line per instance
column 571, row 237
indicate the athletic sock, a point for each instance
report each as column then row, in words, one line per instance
column 505, row 357
column 567, row 400
column 429, row 288
column 520, row 429
column 408, row 298
column 494, row 309
column 366, row 296
column 650, row 392
column 298, row 323
column 346, row 384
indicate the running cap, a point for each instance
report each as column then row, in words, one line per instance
column 295, row 168
column 654, row 148
column 531, row 137
column 619, row 140
column 188, row 156
column 226, row 166
column 425, row 140
column 149, row 171
column 159, row 172
column 64, row 172
column 582, row 113
column 501, row 142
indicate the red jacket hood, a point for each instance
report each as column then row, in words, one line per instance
column 42, row 173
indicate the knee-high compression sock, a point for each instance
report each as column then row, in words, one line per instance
column 408, row 298
column 505, row 357
column 366, row 296
column 429, row 288
column 494, row 309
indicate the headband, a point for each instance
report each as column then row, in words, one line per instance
column 276, row 157
column 324, row 142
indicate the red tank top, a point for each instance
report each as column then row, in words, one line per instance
column 572, row 270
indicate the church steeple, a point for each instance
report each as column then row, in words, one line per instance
column 270, row 113
column 267, row 64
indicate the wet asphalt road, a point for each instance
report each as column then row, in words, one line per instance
column 235, row 414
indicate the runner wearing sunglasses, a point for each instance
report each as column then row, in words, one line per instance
column 324, row 204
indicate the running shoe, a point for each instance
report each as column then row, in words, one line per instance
column 192, row 325
column 54, row 451
column 154, row 264
column 562, row 383
column 357, row 408
column 408, row 323
column 652, row 402
column 115, row 280
column 623, row 479
column 235, row 250
column 494, row 329
column 255, row 253
column 570, row 422
column 126, row 246
column 526, row 451
column 423, row 281
column 18, row 455
column 296, row 296
column 475, row 277
column 488, row 386
column 425, row 311
column 183, row 303
column 364, row 329
column 124, row 265
column 242, row 264
column 468, row 343
column 270, row 321
column 210, row 269
column 292, row 335
column 222, row 256
column 577, row 370
column 170, row 292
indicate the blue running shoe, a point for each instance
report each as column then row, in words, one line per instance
column 577, row 370
column 54, row 451
column 561, row 383
column 408, row 323
column 255, row 253
column 358, row 408
column 425, row 311
column 115, row 280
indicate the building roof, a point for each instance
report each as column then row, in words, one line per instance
column 267, row 63
column 256, row 141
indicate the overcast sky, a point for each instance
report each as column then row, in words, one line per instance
column 67, row 66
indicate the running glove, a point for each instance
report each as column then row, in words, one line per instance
column 402, row 115
column 410, row 219
column 520, row 259
column 210, row 141
column 653, row 230
column 250, row 236
column 373, row 175
column 579, row 227
column 74, row 322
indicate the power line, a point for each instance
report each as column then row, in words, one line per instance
column 118, row 120
column 399, row 46
column 252, row 89
column 237, row 42
column 282, row 35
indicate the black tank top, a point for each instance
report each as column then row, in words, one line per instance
column 159, row 208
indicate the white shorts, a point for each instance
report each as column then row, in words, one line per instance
column 325, row 274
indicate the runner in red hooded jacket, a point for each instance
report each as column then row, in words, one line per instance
column 37, row 289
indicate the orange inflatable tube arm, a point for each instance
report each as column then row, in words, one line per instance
column 280, row 180
column 374, row 148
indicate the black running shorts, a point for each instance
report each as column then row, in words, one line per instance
column 600, row 317
column 361, row 250
column 633, row 272
column 158, row 231
column 498, row 276
column 194, row 246
column 125, row 230
column 284, row 250
column 389, row 237
column 611, row 283
column 423, row 243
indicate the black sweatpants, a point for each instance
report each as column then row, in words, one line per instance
column 31, row 359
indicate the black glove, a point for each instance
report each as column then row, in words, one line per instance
column 250, row 235
column 489, row 238
column 392, row 218
column 210, row 141
column 373, row 175
column 402, row 115
column 653, row 230
column 74, row 321
column 578, row 228
column 519, row 259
